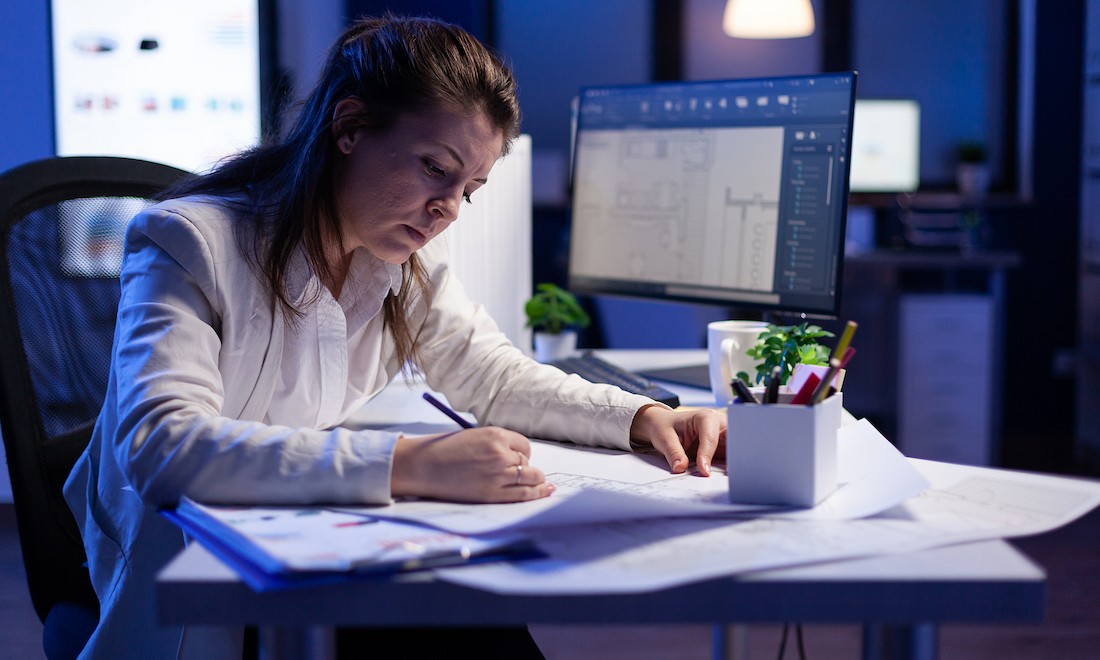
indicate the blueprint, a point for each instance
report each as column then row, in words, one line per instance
column 598, row 485
column 712, row 222
column 963, row 504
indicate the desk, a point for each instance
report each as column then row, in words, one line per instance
column 900, row 598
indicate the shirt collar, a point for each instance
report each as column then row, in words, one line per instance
column 366, row 274
column 368, row 283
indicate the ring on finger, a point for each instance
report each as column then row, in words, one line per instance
column 519, row 474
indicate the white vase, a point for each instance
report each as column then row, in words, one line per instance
column 549, row 347
column 973, row 180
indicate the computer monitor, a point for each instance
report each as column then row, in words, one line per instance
column 886, row 146
column 731, row 193
column 182, row 83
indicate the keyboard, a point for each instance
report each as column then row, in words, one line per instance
column 595, row 370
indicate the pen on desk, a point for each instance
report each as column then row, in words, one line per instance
column 845, row 339
column 744, row 394
column 463, row 422
column 826, row 383
column 771, row 389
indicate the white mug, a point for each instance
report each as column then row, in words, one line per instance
column 727, row 342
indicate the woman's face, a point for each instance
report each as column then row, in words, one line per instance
column 398, row 190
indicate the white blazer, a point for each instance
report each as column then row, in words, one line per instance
column 197, row 354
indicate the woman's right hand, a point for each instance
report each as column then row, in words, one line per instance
column 487, row 464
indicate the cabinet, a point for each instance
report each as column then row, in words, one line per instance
column 928, row 372
column 946, row 377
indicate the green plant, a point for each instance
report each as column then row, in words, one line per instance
column 971, row 151
column 785, row 346
column 553, row 309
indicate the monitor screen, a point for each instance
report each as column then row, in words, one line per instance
column 177, row 82
column 886, row 146
column 723, row 192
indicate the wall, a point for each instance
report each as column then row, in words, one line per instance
column 26, row 115
column 554, row 49
column 949, row 55
column 305, row 31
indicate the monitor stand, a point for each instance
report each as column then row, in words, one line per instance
column 695, row 375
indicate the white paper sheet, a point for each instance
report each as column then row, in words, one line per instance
column 595, row 485
column 963, row 504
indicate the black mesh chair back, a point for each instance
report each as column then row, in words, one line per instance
column 61, row 227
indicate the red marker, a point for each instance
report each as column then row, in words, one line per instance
column 806, row 391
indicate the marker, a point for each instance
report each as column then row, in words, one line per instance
column 826, row 383
column 354, row 523
column 848, row 355
column 806, row 392
column 460, row 420
column 771, row 389
column 744, row 394
column 845, row 339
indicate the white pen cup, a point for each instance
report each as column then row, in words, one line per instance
column 727, row 346
column 783, row 454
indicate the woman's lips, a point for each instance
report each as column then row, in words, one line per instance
column 416, row 235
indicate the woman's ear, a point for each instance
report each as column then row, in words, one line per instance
column 347, row 123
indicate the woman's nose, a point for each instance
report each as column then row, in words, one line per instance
column 446, row 208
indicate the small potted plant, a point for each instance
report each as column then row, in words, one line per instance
column 554, row 314
column 784, row 346
column 972, row 169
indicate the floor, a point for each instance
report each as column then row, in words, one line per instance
column 1071, row 631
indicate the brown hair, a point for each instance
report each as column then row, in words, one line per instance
column 393, row 65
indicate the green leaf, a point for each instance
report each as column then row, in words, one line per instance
column 786, row 346
column 553, row 309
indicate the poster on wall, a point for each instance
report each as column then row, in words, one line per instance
column 173, row 81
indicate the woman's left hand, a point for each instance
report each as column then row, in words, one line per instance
column 679, row 435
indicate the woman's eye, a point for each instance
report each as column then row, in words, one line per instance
column 466, row 197
column 433, row 169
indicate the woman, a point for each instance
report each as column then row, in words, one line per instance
column 264, row 302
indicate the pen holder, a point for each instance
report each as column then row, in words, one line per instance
column 781, row 453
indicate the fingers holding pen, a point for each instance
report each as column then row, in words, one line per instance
column 487, row 464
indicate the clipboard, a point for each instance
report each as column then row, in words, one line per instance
column 275, row 548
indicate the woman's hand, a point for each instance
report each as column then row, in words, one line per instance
column 486, row 464
column 680, row 435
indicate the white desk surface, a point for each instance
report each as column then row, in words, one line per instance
column 976, row 582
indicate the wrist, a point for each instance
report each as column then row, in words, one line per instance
column 644, row 420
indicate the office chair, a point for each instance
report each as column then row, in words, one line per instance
column 61, row 227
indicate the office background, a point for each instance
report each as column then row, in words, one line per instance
column 1006, row 72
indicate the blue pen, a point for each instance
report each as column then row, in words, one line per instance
column 447, row 411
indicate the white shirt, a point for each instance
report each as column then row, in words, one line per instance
column 331, row 356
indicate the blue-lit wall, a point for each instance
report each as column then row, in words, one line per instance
column 26, row 115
